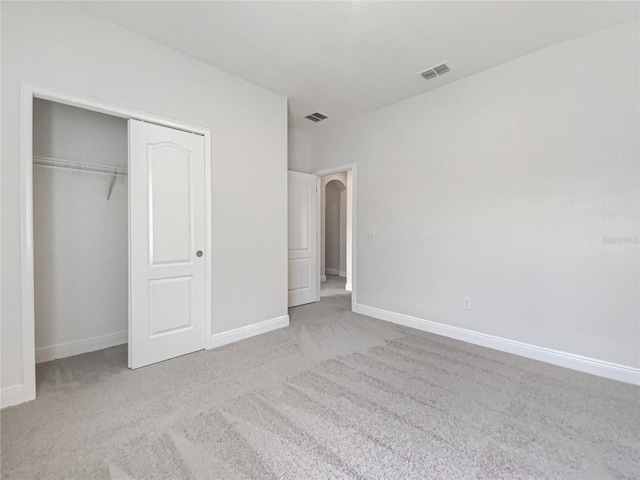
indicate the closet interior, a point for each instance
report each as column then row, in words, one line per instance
column 80, row 230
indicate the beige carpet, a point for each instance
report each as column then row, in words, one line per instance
column 336, row 395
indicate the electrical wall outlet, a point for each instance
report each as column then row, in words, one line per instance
column 369, row 233
column 466, row 303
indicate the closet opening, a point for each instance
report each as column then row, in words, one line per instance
column 116, row 237
column 80, row 236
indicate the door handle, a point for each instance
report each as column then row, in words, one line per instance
column 199, row 253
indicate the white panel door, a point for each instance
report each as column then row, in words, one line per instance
column 166, row 243
column 302, row 239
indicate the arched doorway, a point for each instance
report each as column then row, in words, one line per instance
column 335, row 241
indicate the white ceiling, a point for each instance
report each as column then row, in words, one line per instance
column 347, row 58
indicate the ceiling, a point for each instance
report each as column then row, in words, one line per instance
column 343, row 59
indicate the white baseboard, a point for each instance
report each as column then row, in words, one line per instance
column 347, row 287
column 333, row 271
column 62, row 350
column 11, row 396
column 237, row 334
column 323, row 278
column 14, row 395
column 593, row 366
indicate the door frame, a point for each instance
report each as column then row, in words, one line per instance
column 28, row 92
column 353, row 168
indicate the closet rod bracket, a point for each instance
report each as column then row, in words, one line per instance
column 113, row 181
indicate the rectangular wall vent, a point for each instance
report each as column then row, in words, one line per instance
column 436, row 71
column 316, row 117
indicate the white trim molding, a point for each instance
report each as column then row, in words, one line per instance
column 10, row 396
column 323, row 278
column 580, row 363
column 237, row 334
column 69, row 349
column 334, row 271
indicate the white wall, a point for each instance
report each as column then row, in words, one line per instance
column 58, row 47
column 335, row 234
column 342, row 234
column 504, row 187
column 299, row 150
column 80, row 237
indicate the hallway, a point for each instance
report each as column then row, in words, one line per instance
column 333, row 286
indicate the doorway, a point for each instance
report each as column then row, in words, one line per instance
column 170, row 232
column 306, row 234
column 336, row 197
column 334, row 235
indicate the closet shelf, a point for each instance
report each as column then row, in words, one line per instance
column 79, row 166
column 110, row 170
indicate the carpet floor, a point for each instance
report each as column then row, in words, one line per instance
column 335, row 395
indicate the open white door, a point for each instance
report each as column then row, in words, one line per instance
column 166, row 243
column 302, row 239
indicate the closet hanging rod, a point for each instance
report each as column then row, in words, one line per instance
column 79, row 166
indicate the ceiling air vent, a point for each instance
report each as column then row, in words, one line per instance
column 316, row 117
column 440, row 69
column 436, row 71
column 429, row 74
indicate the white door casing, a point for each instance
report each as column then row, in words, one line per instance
column 166, row 235
column 302, row 219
